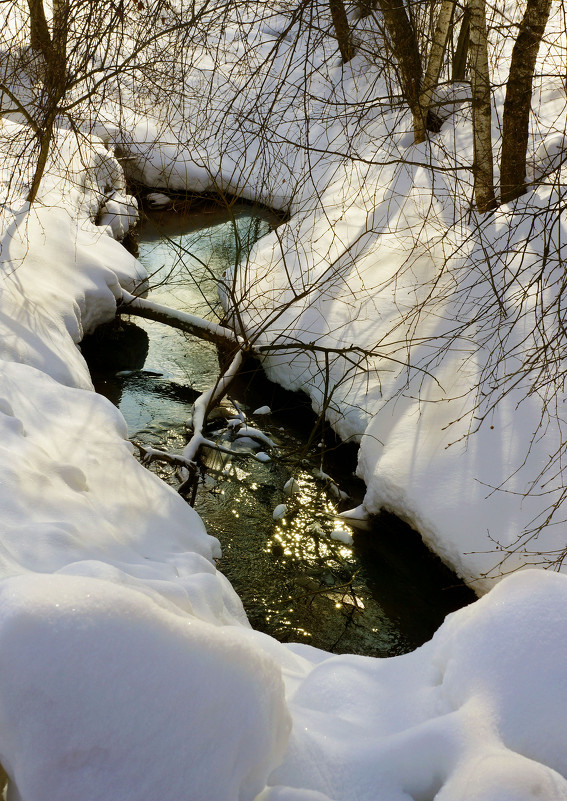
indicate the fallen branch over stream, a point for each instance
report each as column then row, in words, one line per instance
column 187, row 460
column 205, row 403
column 189, row 323
column 238, row 347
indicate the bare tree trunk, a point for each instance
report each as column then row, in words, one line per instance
column 483, row 169
column 60, row 24
column 406, row 51
column 517, row 105
column 54, row 83
column 462, row 48
column 435, row 63
column 45, row 135
column 40, row 39
column 342, row 29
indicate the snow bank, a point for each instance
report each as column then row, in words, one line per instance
column 435, row 309
column 106, row 694
column 120, row 671
column 476, row 714
column 75, row 500
column 127, row 667
column 71, row 490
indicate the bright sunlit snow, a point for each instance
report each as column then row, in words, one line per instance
column 128, row 669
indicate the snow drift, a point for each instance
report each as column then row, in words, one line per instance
column 127, row 666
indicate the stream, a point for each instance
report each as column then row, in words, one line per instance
column 305, row 577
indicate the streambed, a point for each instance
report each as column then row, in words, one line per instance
column 303, row 577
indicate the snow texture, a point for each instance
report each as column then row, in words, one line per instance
column 128, row 669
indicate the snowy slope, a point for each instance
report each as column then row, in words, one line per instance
column 451, row 375
column 451, row 370
column 97, row 553
column 127, row 667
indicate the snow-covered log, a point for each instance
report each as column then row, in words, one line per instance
column 189, row 323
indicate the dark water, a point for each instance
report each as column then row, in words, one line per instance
column 379, row 592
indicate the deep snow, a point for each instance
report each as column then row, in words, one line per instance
column 444, row 314
column 127, row 667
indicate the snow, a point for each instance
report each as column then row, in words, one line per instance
column 388, row 263
column 342, row 536
column 255, row 434
column 127, row 666
column 449, row 720
column 292, row 487
column 121, row 688
column 261, row 410
column 158, row 200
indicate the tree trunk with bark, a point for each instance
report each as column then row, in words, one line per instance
column 434, row 66
column 462, row 48
column 406, row 51
column 483, row 170
column 342, row 29
column 44, row 135
column 517, row 104
column 55, row 83
column 40, row 38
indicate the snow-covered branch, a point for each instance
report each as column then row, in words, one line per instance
column 187, row 460
column 190, row 323
column 205, row 402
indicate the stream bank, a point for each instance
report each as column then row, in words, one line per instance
column 305, row 576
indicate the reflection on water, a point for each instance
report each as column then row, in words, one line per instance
column 299, row 576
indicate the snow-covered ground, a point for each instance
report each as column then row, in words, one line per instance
column 127, row 667
column 451, row 325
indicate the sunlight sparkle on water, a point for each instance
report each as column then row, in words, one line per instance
column 305, row 531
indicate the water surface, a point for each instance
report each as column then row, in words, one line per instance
column 384, row 594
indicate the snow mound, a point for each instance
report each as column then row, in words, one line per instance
column 201, row 712
column 477, row 713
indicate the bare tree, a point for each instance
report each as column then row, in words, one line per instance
column 483, row 163
column 342, row 29
column 54, row 51
column 85, row 49
column 517, row 105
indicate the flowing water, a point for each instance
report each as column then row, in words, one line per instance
column 305, row 576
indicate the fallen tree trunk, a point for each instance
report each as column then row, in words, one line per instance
column 190, row 323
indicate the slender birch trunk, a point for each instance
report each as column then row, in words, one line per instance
column 434, row 66
column 483, row 161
